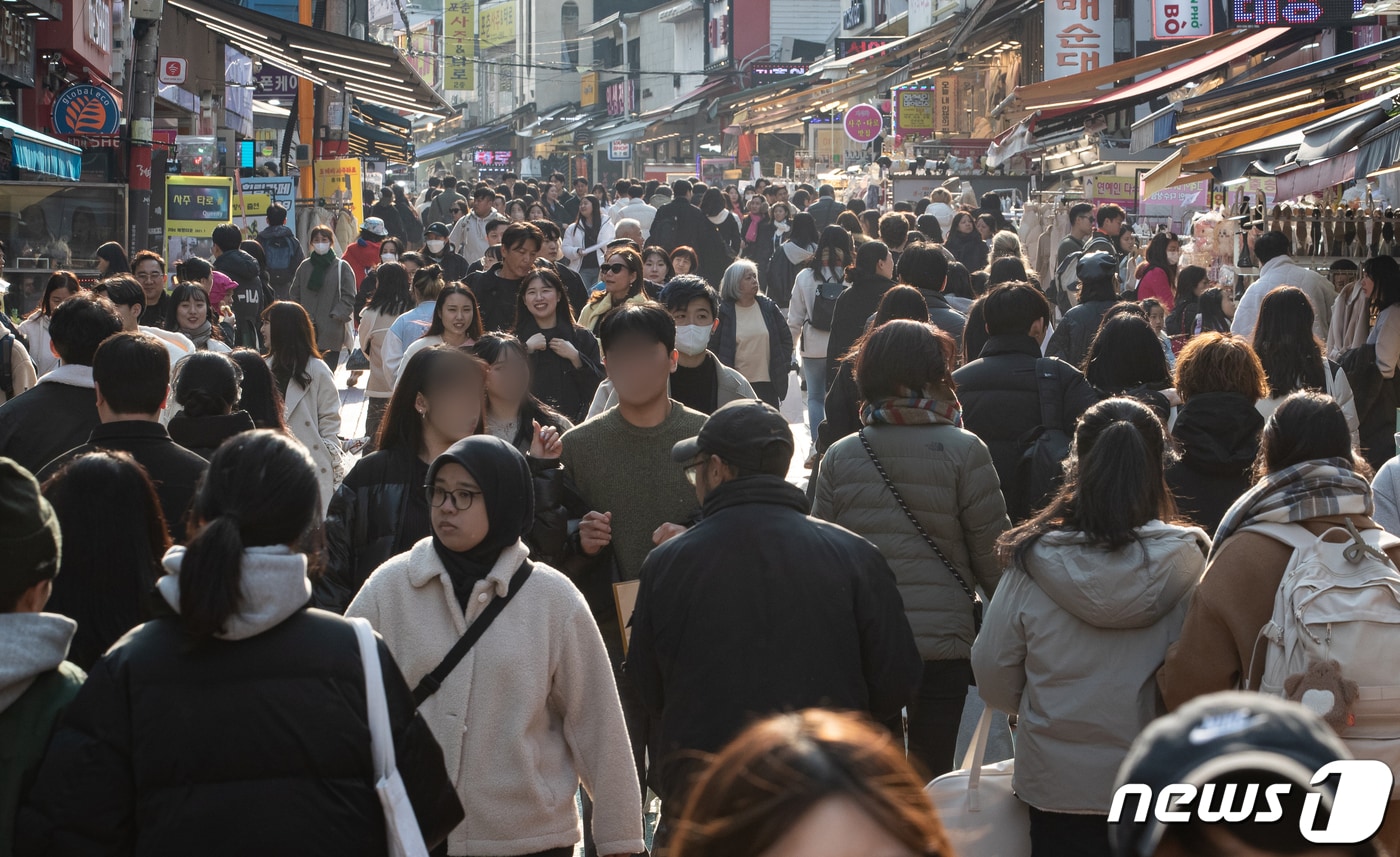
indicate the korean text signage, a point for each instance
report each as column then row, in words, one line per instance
column 622, row 97
column 1121, row 190
column 850, row 47
column 854, row 15
column 588, row 89
column 763, row 72
column 1193, row 195
column 718, row 33
column 338, row 183
column 1292, row 13
column 1181, row 19
column 619, row 151
column 251, row 202
column 194, row 205
column 863, row 123
column 16, row 47
column 274, row 83
column 86, row 109
column 945, row 116
column 498, row 24
column 459, row 38
column 914, row 110
column 1078, row 36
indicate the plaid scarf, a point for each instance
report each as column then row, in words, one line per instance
column 1312, row 489
column 911, row 412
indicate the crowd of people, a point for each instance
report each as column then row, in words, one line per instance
column 571, row 522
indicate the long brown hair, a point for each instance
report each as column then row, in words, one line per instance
column 759, row 787
column 291, row 340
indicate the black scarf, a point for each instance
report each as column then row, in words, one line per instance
column 503, row 475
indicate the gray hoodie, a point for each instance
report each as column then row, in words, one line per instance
column 1072, row 643
column 31, row 644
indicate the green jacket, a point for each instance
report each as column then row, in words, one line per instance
column 25, row 728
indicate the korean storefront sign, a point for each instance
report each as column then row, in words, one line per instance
column 1181, row 19
column 863, row 123
column 1120, row 190
column 16, row 47
column 946, row 105
column 194, row 205
column 339, row 182
column 251, row 202
column 914, row 110
column 459, row 38
column 498, row 24
column 1078, row 36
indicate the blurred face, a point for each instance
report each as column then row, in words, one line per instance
column 1157, row 317
column 410, row 268
column 551, row 193
column 640, row 369
column 1227, row 303
column 748, row 286
column 58, row 296
column 193, row 312
column 837, row 827
column 616, row 276
column 454, row 410
column 681, row 265
column 457, row 315
column 1127, row 242
column 698, row 312
column 509, row 377
column 654, row 267
column 965, row 226
column 541, row 300
column 459, row 528
column 520, row 259
column 755, row 206
column 151, row 278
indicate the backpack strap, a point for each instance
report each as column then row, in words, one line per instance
column 1297, row 536
column 7, row 367
column 1047, row 382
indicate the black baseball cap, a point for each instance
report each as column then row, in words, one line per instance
column 1218, row 735
column 438, row 228
column 746, row 433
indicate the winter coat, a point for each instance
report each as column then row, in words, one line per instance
column 1283, row 271
column 716, row 248
column 393, row 224
column 679, row 224
column 1351, row 322
column 405, row 330
column 374, row 328
column 946, row 476
column 799, row 316
column 636, row 209
column 1071, row 645
column 851, row 317
column 554, row 380
column 312, row 413
column 576, row 247
column 1385, row 489
column 495, row 297
column 1076, row 331
column 594, row 312
column 440, row 209
column 825, row 211
column 1218, row 436
column 783, row 270
column 204, row 435
column 944, row 317
column 724, row 344
column 412, row 225
column 529, row 712
column 36, row 328
column 971, row 250
column 454, row 265
column 759, row 251
column 330, row 306
column 710, row 652
column 56, row 415
column 249, row 299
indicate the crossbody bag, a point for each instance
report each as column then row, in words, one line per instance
column 432, row 681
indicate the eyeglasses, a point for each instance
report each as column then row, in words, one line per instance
column 461, row 498
column 614, row 268
column 692, row 471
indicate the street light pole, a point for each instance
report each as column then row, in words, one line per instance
column 140, row 143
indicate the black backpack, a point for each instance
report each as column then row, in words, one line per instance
column 824, row 303
column 7, row 367
column 665, row 231
column 1046, row 447
column 9, row 325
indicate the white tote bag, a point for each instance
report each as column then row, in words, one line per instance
column 400, row 823
column 980, row 814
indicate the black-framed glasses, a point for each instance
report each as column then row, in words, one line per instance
column 614, row 268
column 461, row 497
column 692, row 471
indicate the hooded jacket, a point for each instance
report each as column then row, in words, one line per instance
column 1071, row 645
column 57, row 414
column 1076, row 331
column 1218, row 436
column 246, row 273
column 851, row 317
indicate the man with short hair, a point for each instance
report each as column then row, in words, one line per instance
column 468, row 234
column 552, row 251
column 497, row 287
column 732, row 623
column 628, row 229
column 61, row 410
column 148, row 267
column 125, row 294
column 495, row 228
column 441, row 206
column 37, row 682
column 283, row 251
column 679, row 223
column 1000, row 391
column 1081, row 227
column 635, row 208
column 924, row 267
column 1110, row 219
column 826, row 209
column 437, row 251
column 1277, row 268
column 131, row 381
column 894, row 231
column 247, row 296
column 572, row 200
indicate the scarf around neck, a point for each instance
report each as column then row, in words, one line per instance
column 1307, row 490
column 320, row 264
column 912, row 412
column 200, row 335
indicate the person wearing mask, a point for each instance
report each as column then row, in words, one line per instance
column 148, row 267
column 846, row 643
column 392, row 298
column 456, row 323
column 585, row 240
column 111, row 259
column 60, row 286
column 965, row 244
column 131, row 379
column 190, row 317
column 1292, row 356
column 283, row 251
column 440, row 208
column 325, row 286
column 926, row 269
column 1157, row 276
column 310, row 403
column 869, row 278
column 565, row 364
column 362, row 255
column 1219, row 381
column 552, row 251
column 240, row 266
column 826, row 209
column 1097, row 290
column 1191, row 283
column 884, row 484
column 390, row 250
column 37, row 681
column 536, row 685
column 752, row 336
column 1277, row 268
column 623, row 283
column 497, row 288
column 279, row 750
column 1107, row 566
column 468, row 234
column 828, row 263
column 438, row 251
column 110, row 561
column 408, row 327
column 208, row 392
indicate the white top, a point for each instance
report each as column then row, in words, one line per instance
column 1283, row 271
column 751, row 343
column 312, row 413
column 804, row 295
column 1386, row 337
column 36, row 328
column 573, row 246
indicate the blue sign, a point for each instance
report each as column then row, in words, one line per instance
column 86, row 109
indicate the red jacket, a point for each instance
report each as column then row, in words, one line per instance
column 362, row 256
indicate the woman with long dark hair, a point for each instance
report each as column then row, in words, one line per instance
column 870, row 277
column 391, row 299
column 271, row 698
column 827, row 265
column 208, row 391
column 1292, row 355
column 1105, row 567
column 795, row 240
column 1156, row 277
column 260, row 396
column 456, row 321
column 622, row 284
column 1126, row 359
column 912, row 457
column 111, row 260
column 189, row 314
column 60, row 286
column 310, row 403
column 1371, row 367
column 966, row 245
column 1191, row 283
column 512, row 412
column 1214, row 311
column 565, row 364
column 110, row 561
column 391, row 251
column 586, row 238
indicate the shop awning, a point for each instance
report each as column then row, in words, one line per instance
column 689, row 104
column 466, row 138
column 1380, row 149
column 368, row 140
column 40, row 153
column 1324, row 174
column 626, row 132
column 372, row 72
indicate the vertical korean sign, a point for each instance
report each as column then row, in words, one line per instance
column 339, row 182
column 1078, row 36
column 946, row 105
column 459, row 44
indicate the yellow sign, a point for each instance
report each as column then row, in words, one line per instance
column 459, row 37
column 498, row 24
column 339, row 182
column 914, row 109
column 194, row 205
column 588, row 89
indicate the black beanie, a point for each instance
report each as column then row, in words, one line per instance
column 29, row 534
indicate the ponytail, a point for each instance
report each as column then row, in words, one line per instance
column 211, row 576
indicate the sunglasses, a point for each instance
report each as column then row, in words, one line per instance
column 614, row 268
column 459, row 211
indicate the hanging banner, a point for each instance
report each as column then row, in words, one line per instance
column 459, row 43
column 1120, row 190
column 913, row 110
column 498, row 24
column 339, row 182
column 946, row 105
column 251, row 202
column 194, row 205
column 863, row 123
column 1182, row 19
column 1078, row 36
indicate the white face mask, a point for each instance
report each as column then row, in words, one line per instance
column 1173, row 258
column 321, row 247
column 692, row 339
column 435, row 246
column 388, row 257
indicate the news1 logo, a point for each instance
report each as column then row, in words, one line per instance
column 1358, row 807
column 1293, row 13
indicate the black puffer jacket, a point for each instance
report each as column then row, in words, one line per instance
column 1218, row 437
column 254, row 746
column 365, row 524
column 1076, row 331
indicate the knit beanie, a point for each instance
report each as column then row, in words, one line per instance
column 29, row 533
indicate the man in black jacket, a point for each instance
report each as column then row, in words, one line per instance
column 1000, row 390
column 239, row 265
column 61, row 410
column 131, row 378
column 679, row 223
column 497, row 287
column 826, row 209
column 732, row 624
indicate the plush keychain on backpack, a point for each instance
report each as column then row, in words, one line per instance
column 1322, row 689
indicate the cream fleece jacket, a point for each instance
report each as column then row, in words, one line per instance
column 530, row 712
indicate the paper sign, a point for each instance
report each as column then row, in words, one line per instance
column 625, row 596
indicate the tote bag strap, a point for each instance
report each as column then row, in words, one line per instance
column 976, row 757
column 378, row 706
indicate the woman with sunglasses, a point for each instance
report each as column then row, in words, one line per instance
column 622, row 284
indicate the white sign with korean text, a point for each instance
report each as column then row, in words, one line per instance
column 1078, row 36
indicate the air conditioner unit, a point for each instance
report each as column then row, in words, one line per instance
column 147, row 10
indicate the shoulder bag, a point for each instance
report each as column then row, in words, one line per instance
column 432, row 681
